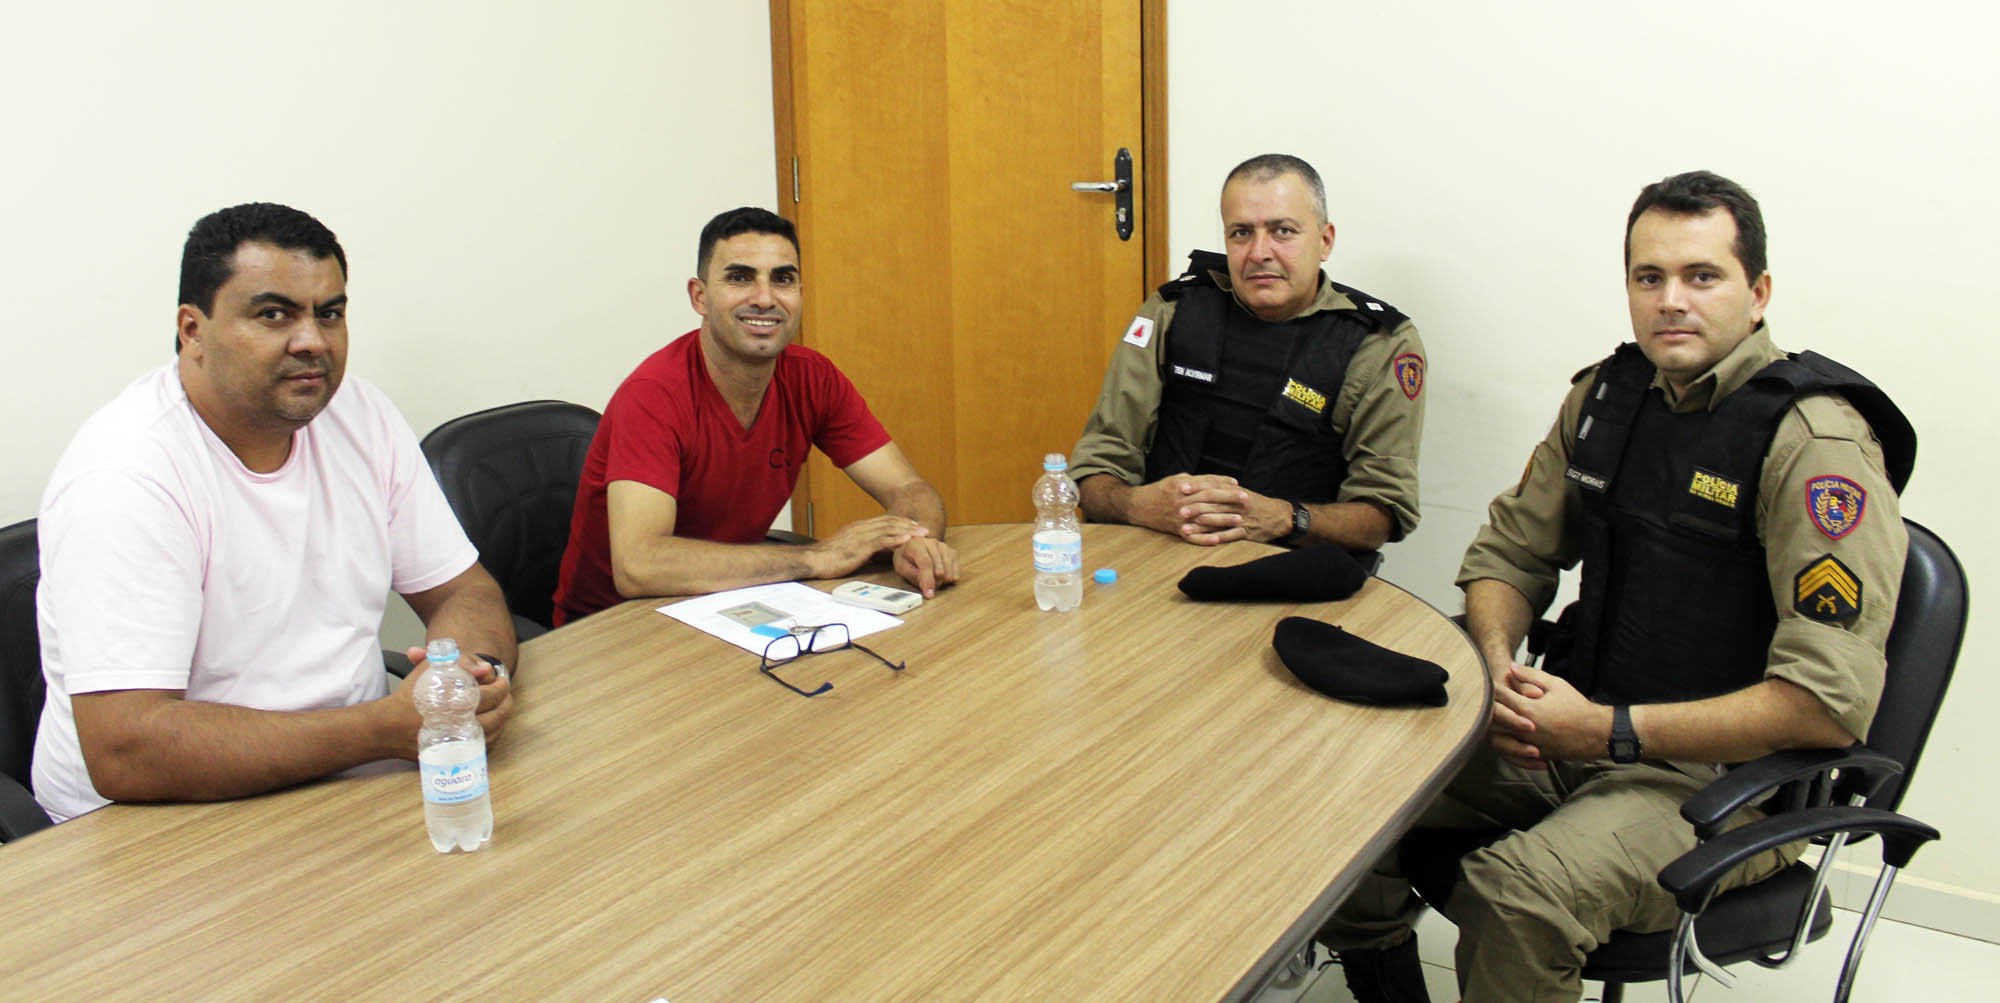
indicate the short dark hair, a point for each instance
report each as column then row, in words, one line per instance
column 735, row 223
column 1698, row 193
column 208, row 258
column 1266, row 166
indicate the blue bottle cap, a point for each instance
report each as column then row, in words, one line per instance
column 1104, row 576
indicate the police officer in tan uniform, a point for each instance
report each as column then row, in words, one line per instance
column 1253, row 398
column 1735, row 513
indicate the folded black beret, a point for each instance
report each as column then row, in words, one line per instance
column 1351, row 668
column 1309, row 574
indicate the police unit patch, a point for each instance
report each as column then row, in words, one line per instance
column 1835, row 504
column 1140, row 332
column 1827, row 591
column 1410, row 374
column 1313, row 400
column 1711, row 487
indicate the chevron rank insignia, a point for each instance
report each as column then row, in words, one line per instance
column 1827, row 591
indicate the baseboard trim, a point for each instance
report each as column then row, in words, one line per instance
column 1946, row 908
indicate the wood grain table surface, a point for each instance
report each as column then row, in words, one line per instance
column 1131, row 801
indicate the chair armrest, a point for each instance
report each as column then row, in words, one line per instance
column 1862, row 771
column 19, row 813
column 526, row 629
column 397, row 664
column 1692, row 878
column 786, row 536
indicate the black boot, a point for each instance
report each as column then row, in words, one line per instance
column 1390, row 975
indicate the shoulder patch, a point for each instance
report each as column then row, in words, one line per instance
column 1140, row 333
column 1835, row 504
column 1827, row 591
column 1409, row 368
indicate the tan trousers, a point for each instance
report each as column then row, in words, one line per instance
column 1588, row 842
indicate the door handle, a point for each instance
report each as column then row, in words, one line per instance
column 1121, row 184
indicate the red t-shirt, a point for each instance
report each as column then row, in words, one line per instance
column 669, row 428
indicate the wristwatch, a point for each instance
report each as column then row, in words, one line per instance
column 1624, row 741
column 1302, row 518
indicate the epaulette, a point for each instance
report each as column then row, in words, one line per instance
column 1201, row 265
column 1376, row 310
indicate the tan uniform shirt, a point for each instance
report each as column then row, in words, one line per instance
column 1381, row 425
column 1535, row 531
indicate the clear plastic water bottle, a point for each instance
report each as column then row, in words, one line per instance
column 451, row 752
column 1058, row 538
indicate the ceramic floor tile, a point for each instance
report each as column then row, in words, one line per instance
column 1904, row 962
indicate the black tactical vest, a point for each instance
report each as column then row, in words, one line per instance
column 1251, row 399
column 1676, row 601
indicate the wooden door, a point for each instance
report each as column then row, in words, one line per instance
column 926, row 151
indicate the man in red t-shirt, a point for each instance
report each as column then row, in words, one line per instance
column 700, row 447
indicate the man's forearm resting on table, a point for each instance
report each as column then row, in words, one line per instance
column 153, row 745
column 679, row 566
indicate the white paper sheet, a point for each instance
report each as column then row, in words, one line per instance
column 750, row 618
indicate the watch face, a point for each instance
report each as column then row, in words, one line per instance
column 1301, row 518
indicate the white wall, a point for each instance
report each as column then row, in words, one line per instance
column 1480, row 159
column 518, row 185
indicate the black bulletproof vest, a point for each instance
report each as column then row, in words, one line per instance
column 1252, row 399
column 1676, row 601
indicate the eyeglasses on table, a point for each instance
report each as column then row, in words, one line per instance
column 805, row 640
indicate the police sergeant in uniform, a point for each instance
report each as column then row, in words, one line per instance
column 1735, row 512
column 1253, row 398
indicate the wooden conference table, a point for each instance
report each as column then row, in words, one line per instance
column 1131, row 801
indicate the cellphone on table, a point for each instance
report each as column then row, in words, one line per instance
column 869, row 595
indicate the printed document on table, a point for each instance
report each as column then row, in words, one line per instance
column 750, row 618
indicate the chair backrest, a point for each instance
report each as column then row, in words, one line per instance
column 1923, row 646
column 21, row 685
column 510, row 474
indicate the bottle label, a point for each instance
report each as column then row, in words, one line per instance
column 1058, row 552
column 453, row 775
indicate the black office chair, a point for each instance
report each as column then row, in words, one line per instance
column 1827, row 795
column 21, row 685
column 510, row 474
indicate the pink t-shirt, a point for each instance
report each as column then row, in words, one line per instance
column 668, row 427
column 168, row 565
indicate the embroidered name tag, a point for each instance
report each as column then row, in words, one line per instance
column 1193, row 374
column 1591, row 481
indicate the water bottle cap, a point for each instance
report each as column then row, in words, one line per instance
column 1104, row 576
column 444, row 649
column 1054, row 462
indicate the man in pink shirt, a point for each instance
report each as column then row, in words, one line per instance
column 700, row 447
column 219, row 541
